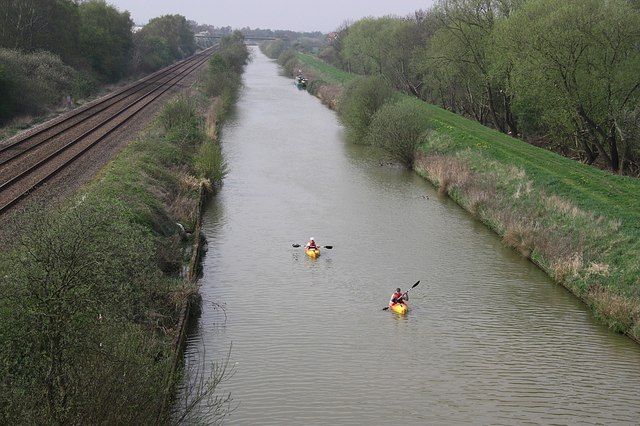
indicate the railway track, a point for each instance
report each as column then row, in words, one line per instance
column 29, row 161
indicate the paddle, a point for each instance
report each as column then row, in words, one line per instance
column 412, row 287
column 298, row 245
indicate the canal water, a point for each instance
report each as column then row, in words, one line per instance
column 488, row 339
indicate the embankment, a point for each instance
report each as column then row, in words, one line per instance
column 579, row 224
column 93, row 292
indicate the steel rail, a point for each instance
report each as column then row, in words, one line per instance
column 104, row 106
column 101, row 101
column 49, row 175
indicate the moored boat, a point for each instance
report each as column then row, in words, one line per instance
column 301, row 82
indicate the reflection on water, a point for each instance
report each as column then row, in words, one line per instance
column 489, row 339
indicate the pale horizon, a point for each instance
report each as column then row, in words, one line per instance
column 275, row 15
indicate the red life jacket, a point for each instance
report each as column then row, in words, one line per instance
column 312, row 245
column 395, row 296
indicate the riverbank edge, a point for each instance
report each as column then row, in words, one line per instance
column 190, row 302
column 476, row 193
column 214, row 120
column 209, row 113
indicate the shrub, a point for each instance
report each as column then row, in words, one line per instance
column 399, row 128
column 150, row 52
column 177, row 113
column 220, row 77
column 274, row 48
column 77, row 295
column 331, row 56
column 223, row 75
column 84, row 85
column 35, row 80
column 234, row 51
column 210, row 163
column 6, row 103
column 227, row 101
column 359, row 103
column 288, row 60
column 286, row 57
column 315, row 85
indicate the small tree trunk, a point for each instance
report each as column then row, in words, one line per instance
column 613, row 148
column 511, row 120
column 494, row 114
column 595, row 131
column 591, row 154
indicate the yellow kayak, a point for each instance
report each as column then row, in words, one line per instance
column 399, row 308
column 312, row 253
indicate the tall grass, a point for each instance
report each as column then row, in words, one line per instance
column 210, row 163
column 222, row 81
column 179, row 112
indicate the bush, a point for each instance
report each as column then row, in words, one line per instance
column 35, row 81
column 400, row 128
column 286, row 57
column 77, row 297
column 289, row 61
column 223, row 75
column 331, row 56
column 274, row 48
column 315, row 85
column 150, row 53
column 234, row 51
column 6, row 103
column 227, row 101
column 210, row 163
column 84, row 85
column 359, row 103
column 220, row 77
column 178, row 112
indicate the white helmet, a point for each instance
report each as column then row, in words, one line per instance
column 311, row 239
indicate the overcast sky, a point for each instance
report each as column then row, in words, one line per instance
column 322, row 15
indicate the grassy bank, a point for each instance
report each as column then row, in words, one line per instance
column 91, row 292
column 579, row 224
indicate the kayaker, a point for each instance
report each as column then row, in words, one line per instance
column 398, row 297
column 311, row 245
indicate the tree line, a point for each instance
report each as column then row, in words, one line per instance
column 256, row 32
column 84, row 44
column 306, row 41
column 563, row 74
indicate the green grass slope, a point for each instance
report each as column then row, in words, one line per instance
column 578, row 223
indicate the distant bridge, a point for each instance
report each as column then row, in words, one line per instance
column 246, row 37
